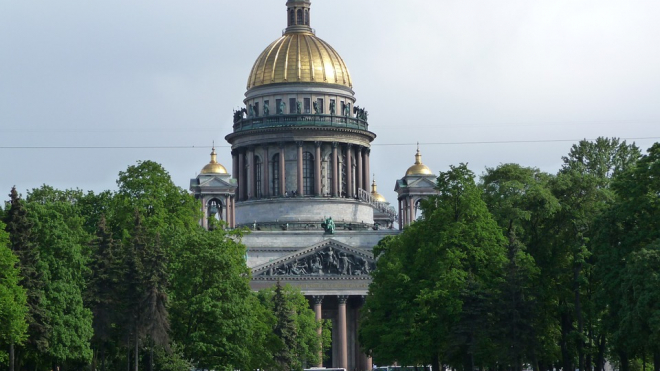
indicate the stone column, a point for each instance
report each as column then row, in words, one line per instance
column 229, row 212
column 341, row 323
column 300, row 189
column 359, row 174
column 319, row 316
column 364, row 362
column 282, row 170
column 251, row 172
column 234, row 167
column 233, row 212
column 335, row 171
column 265, row 178
column 349, row 171
column 317, row 169
column 242, row 186
column 412, row 210
column 367, row 169
column 400, row 215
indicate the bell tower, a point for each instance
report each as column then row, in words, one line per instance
column 298, row 16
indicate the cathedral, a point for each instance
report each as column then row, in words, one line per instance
column 300, row 181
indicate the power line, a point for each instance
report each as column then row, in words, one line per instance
column 375, row 144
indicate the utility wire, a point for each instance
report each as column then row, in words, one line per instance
column 375, row 144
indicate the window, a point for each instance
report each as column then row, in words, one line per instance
column 266, row 108
column 319, row 104
column 276, row 175
column 292, row 17
column 307, row 104
column 256, row 109
column 292, row 105
column 300, row 16
column 306, row 17
column 308, row 174
column 258, row 166
column 332, row 107
column 278, row 103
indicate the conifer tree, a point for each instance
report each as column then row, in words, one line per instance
column 285, row 330
column 154, row 306
column 21, row 242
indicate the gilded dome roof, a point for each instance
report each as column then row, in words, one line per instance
column 299, row 57
column 418, row 168
column 374, row 193
column 213, row 167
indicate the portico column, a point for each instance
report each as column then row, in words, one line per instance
column 318, row 311
column 341, row 323
column 282, row 170
column 317, row 169
column 400, row 216
column 242, row 186
column 300, row 189
column 365, row 362
column 233, row 212
column 412, row 210
column 335, row 171
column 349, row 171
column 264, row 174
column 359, row 175
column 229, row 212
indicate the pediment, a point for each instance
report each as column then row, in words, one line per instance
column 215, row 182
column 327, row 259
column 422, row 183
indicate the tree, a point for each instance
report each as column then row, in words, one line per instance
column 447, row 267
column 154, row 305
column 22, row 244
column 61, row 242
column 583, row 189
column 13, row 302
column 521, row 202
column 211, row 306
column 294, row 326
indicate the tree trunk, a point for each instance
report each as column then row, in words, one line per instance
column 625, row 365
column 151, row 357
column 136, row 350
column 656, row 361
column 435, row 363
column 600, row 360
column 565, row 354
column 11, row 357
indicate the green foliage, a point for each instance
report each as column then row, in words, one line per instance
column 297, row 343
column 13, row 299
column 61, row 242
column 210, row 299
column 434, row 283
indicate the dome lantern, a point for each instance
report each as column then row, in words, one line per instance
column 298, row 17
column 374, row 192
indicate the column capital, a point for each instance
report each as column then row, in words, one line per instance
column 300, row 143
column 281, row 144
column 318, row 299
column 342, row 299
column 335, row 144
column 317, row 144
column 349, row 145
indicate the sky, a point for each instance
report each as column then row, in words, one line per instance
column 88, row 88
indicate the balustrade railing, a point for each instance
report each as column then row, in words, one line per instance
column 258, row 122
column 365, row 196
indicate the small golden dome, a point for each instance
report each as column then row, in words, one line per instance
column 374, row 193
column 213, row 167
column 299, row 56
column 418, row 168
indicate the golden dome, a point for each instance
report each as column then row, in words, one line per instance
column 213, row 167
column 374, row 193
column 418, row 168
column 299, row 56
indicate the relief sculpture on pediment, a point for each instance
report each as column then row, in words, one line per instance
column 327, row 262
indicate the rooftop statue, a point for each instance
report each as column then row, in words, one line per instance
column 329, row 226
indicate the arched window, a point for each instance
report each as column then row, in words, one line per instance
column 300, row 16
column 308, row 174
column 292, row 17
column 306, row 17
column 258, row 166
column 214, row 209
column 275, row 183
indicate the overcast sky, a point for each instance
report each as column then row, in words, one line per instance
column 169, row 73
